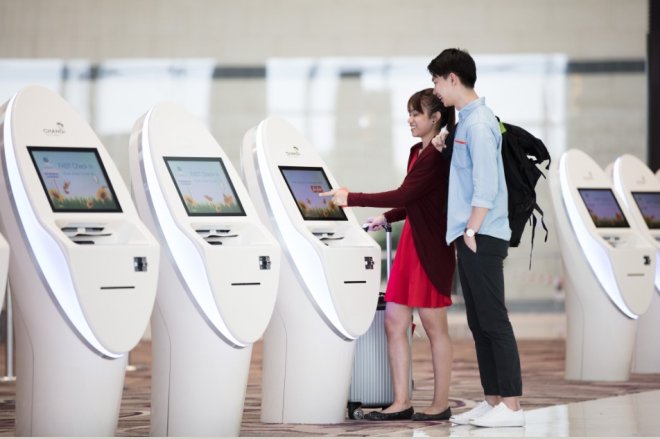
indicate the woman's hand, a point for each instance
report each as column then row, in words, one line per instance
column 439, row 140
column 375, row 223
column 339, row 196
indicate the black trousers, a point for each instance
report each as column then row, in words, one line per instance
column 482, row 281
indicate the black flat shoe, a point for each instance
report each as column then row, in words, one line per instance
column 442, row 416
column 396, row 416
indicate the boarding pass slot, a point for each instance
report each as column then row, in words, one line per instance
column 215, row 235
column 615, row 241
column 328, row 236
column 85, row 234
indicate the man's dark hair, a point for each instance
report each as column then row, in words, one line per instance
column 456, row 61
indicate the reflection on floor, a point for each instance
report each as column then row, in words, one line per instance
column 554, row 406
column 544, row 388
column 622, row 416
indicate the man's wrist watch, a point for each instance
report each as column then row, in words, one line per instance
column 470, row 232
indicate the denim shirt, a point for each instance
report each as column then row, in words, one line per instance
column 476, row 176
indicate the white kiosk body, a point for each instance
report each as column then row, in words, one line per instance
column 639, row 189
column 84, row 268
column 609, row 270
column 4, row 267
column 218, row 276
column 330, row 278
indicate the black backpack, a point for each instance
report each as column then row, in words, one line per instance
column 521, row 155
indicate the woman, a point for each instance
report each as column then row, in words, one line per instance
column 424, row 264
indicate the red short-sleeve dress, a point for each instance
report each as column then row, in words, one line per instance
column 408, row 284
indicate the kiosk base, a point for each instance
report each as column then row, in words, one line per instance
column 198, row 380
column 306, row 365
column 646, row 357
column 599, row 339
column 63, row 388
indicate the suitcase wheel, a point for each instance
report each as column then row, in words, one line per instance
column 355, row 410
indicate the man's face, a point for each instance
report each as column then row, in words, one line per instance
column 442, row 88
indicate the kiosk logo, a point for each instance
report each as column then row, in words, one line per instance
column 57, row 131
column 294, row 152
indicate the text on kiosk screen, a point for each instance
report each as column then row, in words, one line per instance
column 305, row 184
column 603, row 208
column 649, row 206
column 74, row 179
column 204, row 187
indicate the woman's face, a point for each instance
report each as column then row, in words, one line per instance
column 421, row 124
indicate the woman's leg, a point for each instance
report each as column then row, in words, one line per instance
column 435, row 324
column 397, row 321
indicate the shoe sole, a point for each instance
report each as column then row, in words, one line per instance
column 497, row 426
column 455, row 421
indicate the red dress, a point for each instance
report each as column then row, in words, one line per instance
column 408, row 284
column 424, row 266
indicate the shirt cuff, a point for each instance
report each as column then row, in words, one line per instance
column 480, row 202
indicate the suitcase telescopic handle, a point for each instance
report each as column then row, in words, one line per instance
column 388, row 248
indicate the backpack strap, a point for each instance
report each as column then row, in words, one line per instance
column 534, row 221
column 539, row 210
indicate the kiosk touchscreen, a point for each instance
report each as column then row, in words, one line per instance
column 85, row 268
column 639, row 189
column 305, row 184
column 218, row 277
column 330, row 278
column 609, row 269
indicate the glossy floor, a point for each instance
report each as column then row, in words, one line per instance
column 628, row 415
column 554, row 406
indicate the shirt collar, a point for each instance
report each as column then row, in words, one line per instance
column 469, row 108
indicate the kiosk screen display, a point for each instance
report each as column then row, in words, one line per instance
column 305, row 184
column 74, row 179
column 649, row 205
column 603, row 208
column 204, row 186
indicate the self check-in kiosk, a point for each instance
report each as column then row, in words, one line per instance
column 4, row 267
column 218, row 278
column 84, row 268
column 330, row 278
column 639, row 189
column 609, row 270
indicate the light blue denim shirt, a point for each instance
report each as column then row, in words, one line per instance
column 476, row 176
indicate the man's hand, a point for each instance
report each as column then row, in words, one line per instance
column 471, row 242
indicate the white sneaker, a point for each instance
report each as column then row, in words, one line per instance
column 478, row 410
column 500, row 416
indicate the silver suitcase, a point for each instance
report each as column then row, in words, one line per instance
column 371, row 383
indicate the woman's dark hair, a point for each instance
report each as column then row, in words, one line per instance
column 456, row 61
column 426, row 102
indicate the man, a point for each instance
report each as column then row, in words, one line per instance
column 477, row 223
